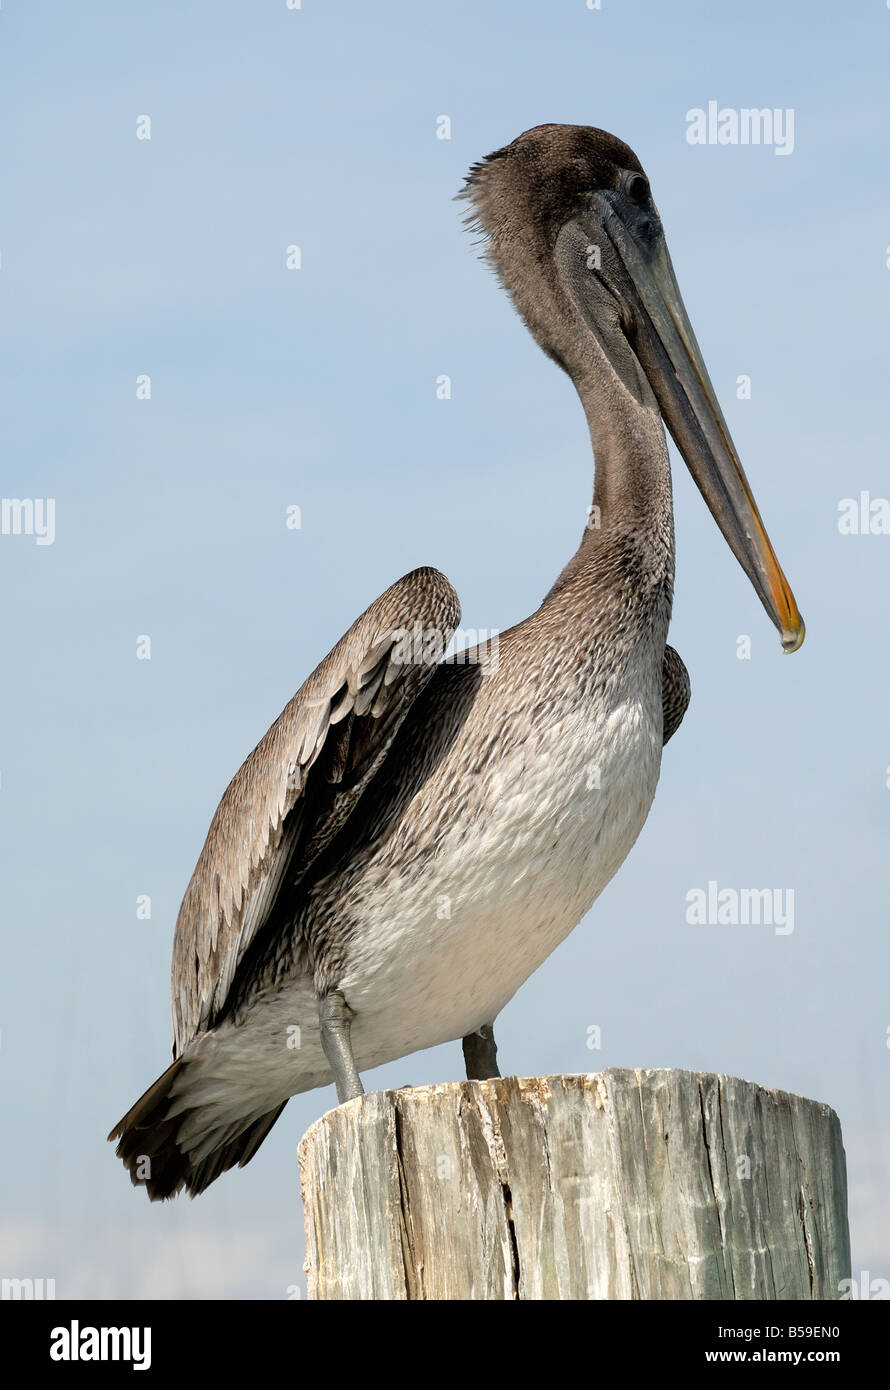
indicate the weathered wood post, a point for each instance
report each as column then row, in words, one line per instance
column 623, row 1184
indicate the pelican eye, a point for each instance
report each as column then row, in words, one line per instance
column 636, row 186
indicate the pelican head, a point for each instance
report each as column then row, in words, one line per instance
column 575, row 236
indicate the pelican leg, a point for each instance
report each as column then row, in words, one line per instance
column 335, row 1018
column 481, row 1054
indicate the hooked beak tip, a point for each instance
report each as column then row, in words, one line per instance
column 793, row 641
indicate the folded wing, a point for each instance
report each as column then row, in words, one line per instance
column 299, row 785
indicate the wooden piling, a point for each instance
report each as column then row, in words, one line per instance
column 623, row 1184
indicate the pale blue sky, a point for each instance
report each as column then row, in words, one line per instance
column 317, row 388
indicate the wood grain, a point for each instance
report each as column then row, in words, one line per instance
column 620, row 1184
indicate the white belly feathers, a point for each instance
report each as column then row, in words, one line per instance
column 439, row 957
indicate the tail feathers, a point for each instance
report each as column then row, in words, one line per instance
column 167, row 1147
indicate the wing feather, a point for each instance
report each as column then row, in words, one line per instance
column 266, row 827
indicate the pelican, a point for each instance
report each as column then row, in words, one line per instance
column 413, row 836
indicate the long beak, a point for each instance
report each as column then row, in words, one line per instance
column 667, row 349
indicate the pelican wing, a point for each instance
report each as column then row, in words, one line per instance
column 675, row 692
column 298, row 786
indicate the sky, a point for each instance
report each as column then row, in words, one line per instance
column 274, row 388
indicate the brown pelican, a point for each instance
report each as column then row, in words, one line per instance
column 412, row 837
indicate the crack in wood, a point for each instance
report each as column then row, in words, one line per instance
column 511, row 1234
column 413, row 1276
